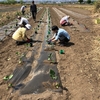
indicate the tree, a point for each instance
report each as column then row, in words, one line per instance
column 21, row 2
column 11, row 1
column 97, row 6
column 80, row 1
column 89, row 1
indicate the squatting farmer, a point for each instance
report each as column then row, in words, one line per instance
column 23, row 21
column 33, row 10
column 20, row 35
column 23, row 9
column 65, row 21
column 60, row 34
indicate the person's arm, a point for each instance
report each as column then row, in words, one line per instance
column 53, row 37
column 20, row 23
column 56, row 38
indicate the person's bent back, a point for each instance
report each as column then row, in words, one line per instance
column 19, row 34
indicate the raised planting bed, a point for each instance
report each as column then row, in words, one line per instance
column 80, row 27
column 45, row 75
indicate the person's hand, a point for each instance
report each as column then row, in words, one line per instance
column 49, row 41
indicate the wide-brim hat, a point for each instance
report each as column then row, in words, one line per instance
column 28, row 26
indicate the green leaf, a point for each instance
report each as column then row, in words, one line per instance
column 52, row 72
column 11, row 76
column 6, row 78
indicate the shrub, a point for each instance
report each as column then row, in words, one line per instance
column 80, row 1
column 88, row 1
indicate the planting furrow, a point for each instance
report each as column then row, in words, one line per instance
column 77, row 26
column 75, row 14
column 45, row 75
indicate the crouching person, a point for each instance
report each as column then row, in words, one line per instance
column 61, row 35
column 65, row 21
column 20, row 35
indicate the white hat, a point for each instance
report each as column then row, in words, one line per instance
column 28, row 26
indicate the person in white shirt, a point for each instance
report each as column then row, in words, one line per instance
column 23, row 9
column 23, row 21
column 65, row 21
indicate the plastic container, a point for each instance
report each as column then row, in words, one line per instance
column 61, row 51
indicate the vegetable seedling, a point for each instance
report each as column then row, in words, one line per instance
column 9, row 59
column 17, row 53
column 47, row 36
column 8, row 77
column 52, row 74
column 9, row 85
column 57, row 85
column 50, row 56
column 48, row 32
column 10, row 26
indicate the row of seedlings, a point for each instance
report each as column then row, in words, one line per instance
column 41, row 19
column 51, row 57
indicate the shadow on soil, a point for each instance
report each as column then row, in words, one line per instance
column 41, row 22
column 70, row 44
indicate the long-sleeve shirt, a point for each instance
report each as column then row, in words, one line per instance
column 33, row 8
column 61, row 34
column 23, row 20
column 64, row 19
column 19, row 34
column 22, row 8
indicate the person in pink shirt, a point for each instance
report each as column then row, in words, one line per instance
column 65, row 21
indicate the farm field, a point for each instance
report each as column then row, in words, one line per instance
column 77, row 69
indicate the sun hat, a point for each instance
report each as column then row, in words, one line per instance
column 28, row 26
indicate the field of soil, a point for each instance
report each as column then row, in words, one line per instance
column 78, row 67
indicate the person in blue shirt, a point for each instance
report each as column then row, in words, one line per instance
column 60, row 34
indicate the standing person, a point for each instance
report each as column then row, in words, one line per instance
column 23, row 9
column 20, row 35
column 65, row 21
column 23, row 21
column 33, row 10
column 59, row 34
